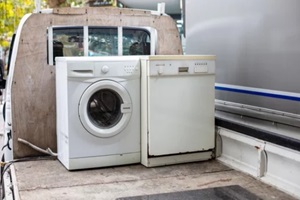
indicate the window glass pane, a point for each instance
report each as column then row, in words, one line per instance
column 10, row 52
column 103, row 41
column 67, row 41
column 136, row 42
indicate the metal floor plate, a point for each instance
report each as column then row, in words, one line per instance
column 232, row 192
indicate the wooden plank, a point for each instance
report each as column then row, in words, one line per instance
column 33, row 88
column 70, row 11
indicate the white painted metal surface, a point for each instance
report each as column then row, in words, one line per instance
column 241, row 152
column 10, row 187
column 82, row 142
column 177, row 107
column 7, row 185
column 8, row 154
column 37, row 6
column 283, row 169
column 272, row 164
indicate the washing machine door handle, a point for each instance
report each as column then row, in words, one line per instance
column 126, row 108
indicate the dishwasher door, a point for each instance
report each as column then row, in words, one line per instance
column 180, row 111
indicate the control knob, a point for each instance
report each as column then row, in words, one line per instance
column 105, row 69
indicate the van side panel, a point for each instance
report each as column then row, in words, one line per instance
column 257, row 48
column 257, row 44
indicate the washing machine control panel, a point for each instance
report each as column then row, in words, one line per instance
column 126, row 68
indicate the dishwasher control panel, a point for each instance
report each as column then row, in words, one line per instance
column 181, row 67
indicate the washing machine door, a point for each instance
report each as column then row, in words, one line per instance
column 105, row 108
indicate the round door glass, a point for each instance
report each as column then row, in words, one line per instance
column 104, row 108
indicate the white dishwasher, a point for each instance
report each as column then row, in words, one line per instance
column 177, row 101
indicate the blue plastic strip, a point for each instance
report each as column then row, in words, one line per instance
column 277, row 96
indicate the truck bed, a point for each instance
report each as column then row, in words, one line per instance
column 48, row 179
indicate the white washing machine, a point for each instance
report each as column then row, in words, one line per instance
column 98, row 111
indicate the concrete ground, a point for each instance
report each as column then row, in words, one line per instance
column 48, row 179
